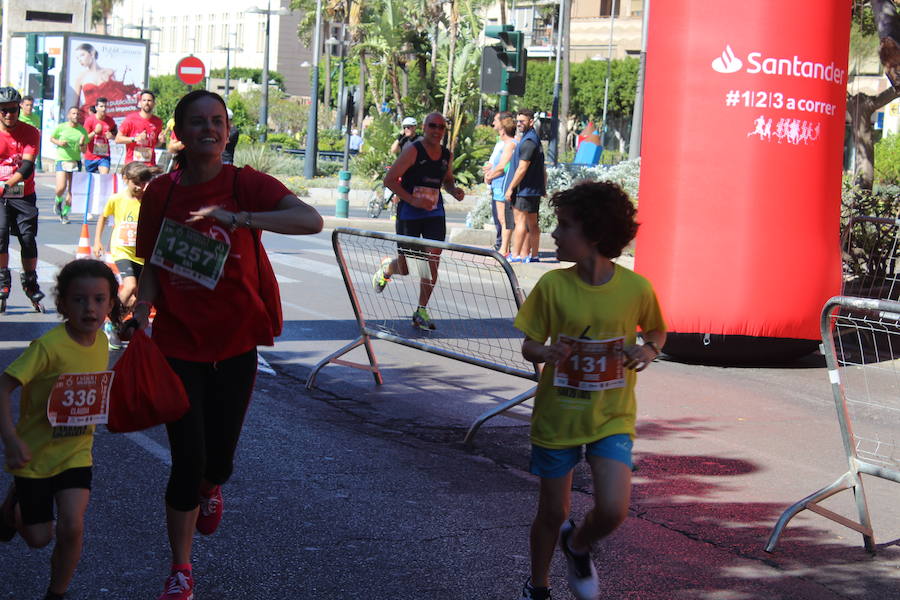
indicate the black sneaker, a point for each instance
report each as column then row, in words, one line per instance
column 533, row 593
column 582, row 575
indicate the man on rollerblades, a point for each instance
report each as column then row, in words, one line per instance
column 19, row 144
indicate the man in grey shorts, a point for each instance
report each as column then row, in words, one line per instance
column 527, row 186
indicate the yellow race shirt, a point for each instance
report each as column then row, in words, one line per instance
column 563, row 304
column 53, row 450
column 124, row 210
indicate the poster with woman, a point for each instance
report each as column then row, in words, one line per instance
column 110, row 68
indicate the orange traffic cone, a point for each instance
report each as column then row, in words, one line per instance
column 112, row 266
column 84, row 243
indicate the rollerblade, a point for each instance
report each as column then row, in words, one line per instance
column 5, row 284
column 33, row 290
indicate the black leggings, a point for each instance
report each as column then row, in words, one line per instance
column 204, row 440
column 19, row 216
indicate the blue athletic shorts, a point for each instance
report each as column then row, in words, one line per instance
column 93, row 166
column 550, row 463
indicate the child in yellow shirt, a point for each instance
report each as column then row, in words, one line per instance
column 582, row 323
column 51, row 461
column 124, row 207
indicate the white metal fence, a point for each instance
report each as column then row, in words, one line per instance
column 473, row 303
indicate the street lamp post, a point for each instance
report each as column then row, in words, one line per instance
column 264, row 104
column 228, row 50
column 312, row 133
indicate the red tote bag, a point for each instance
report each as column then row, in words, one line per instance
column 146, row 391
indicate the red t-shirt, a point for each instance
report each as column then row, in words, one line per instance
column 192, row 322
column 108, row 125
column 133, row 125
column 21, row 139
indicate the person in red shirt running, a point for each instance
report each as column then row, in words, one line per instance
column 141, row 131
column 212, row 350
column 19, row 144
column 101, row 132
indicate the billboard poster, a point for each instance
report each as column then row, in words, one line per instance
column 741, row 164
column 109, row 68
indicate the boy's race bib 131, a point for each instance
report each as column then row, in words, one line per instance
column 189, row 253
column 80, row 399
column 593, row 365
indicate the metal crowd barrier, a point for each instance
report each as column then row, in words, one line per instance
column 861, row 338
column 473, row 303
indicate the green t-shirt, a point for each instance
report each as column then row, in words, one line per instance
column 53, row 450
column 31, row 119
column 563, row 304
column 73, row 137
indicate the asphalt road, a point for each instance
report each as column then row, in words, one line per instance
column 361, row 491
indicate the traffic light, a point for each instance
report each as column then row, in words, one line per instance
column 503, row 65
column 509, row 50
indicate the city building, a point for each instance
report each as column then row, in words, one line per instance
column 594, row 24
column 217, row 31
column 36, row 16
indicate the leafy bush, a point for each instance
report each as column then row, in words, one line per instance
column 284, row 140
column 472, row 151
column 331, row 139
column 374, row 159
column 869, row 249
column 328, row 168
column 887, row 160
column 481, row 214
column 298, row 185
column 263, row 158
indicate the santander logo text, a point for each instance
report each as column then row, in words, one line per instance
column 728, row 62
column 757, row 62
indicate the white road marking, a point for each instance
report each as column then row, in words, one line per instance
column 145, row 442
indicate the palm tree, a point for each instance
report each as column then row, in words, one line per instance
column 100, row 12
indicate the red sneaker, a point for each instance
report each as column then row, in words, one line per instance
column 179, row 586
column 210, row 514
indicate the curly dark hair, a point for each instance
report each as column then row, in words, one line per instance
column 95, row 269
column 605, row 212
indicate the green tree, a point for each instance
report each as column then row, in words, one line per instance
column 539, row 78
column 169, row 90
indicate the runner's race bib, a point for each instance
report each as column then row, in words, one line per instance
column 80, row 399
column 143, row 153
column 593, row 365
column 426, row 198
column 187, row 252
column 128, row 235
column 101, row 147
column 69, row 166
column 14, row 191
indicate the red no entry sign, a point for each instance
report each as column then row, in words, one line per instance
column 190, row 70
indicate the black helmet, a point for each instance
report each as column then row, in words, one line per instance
column 9, row 94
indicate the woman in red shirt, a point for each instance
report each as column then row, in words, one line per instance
column 210, row 313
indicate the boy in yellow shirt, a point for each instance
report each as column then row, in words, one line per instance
column 582, row 323
column 124, row 207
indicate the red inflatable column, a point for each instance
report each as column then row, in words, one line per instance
column 741, row 166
